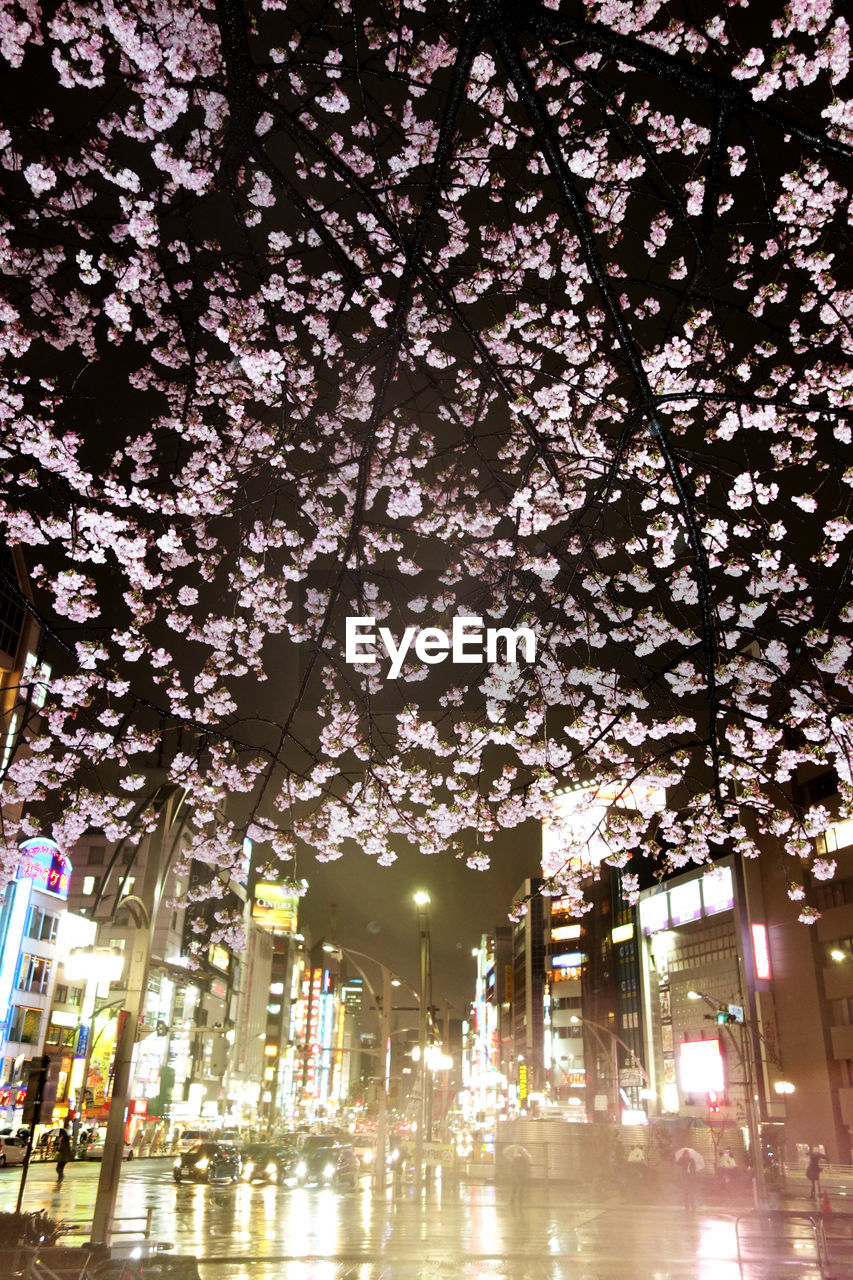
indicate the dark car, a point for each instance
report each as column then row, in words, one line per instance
column 325, row 1162
column 268, row 1162
column 209, row 1162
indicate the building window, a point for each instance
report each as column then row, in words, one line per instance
column 42, row 925
column 12, row 612
column 90, row 886
column 24, row 1025
column 37, row 675
column 60, row 994
column 842, row 1012
column 845, row 1072
column 34, row 973
column 97, row 853
column 62, row 1036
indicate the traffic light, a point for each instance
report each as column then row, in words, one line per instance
column 723, row 1016
column 713, row 1103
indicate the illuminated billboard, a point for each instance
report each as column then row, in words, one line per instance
column 46, row 865
column 275, row 907
column 700, row 1066
column 572, row 834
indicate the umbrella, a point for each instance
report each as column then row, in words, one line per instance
column 515, row 1151
column 685, row 1154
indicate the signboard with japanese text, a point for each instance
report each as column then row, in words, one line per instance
column 44, row 863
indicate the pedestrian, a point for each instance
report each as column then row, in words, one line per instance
column 636, row 1170
column 687, row 1163
column 813, row 1170
column 63, row 1154
column 728, row 1164
column 519, row 1160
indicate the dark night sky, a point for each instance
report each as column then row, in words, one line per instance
column 376, row 911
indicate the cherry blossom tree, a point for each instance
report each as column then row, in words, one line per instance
column 533, row 313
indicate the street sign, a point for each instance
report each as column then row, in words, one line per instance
column 736, row 1011
column 630, row 1078
column 437, row 1154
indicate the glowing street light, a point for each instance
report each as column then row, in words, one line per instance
column 422, row 902
column 383, row 1006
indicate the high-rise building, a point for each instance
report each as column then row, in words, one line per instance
column 527, row 1067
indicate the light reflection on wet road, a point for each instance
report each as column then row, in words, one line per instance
column 465, row 1233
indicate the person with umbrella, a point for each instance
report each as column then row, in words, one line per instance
column 689, row 1162
column 518, row 1160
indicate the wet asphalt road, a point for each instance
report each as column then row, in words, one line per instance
column 467, row 1232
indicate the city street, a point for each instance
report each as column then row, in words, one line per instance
column 267, row 1233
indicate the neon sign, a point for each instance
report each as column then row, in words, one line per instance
column 761, row 952
column 45, row 864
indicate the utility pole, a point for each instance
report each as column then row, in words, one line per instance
column 33, row 1107
column 144, row 909
column 422, row 903
column 743, row 1051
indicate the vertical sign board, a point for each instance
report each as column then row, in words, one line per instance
column 83, row 1033
column 14, row 915
column 761, row 952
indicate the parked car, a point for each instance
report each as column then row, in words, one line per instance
column 268, row 1162
column 21, row 1132
column 325, row 1162
column 94, row 1148
column 210, row 1162
column 12, row 1151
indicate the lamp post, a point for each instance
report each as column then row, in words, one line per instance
column 383, row 1007
column 422, row 901
column 143, row 908
column 99, row 967
column 745, row 1063
column 597, row 1029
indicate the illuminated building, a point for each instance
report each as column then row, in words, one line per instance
column 31, row 921
column 527, row 1069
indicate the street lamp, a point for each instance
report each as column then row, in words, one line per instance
column 725, row 1015
column 142, row 907
column 383, row 1007
column 422, row 902
column 99, row 968
column 597, row 1028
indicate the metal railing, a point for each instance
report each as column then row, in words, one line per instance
column 823, row 1230
column 82, row 1226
